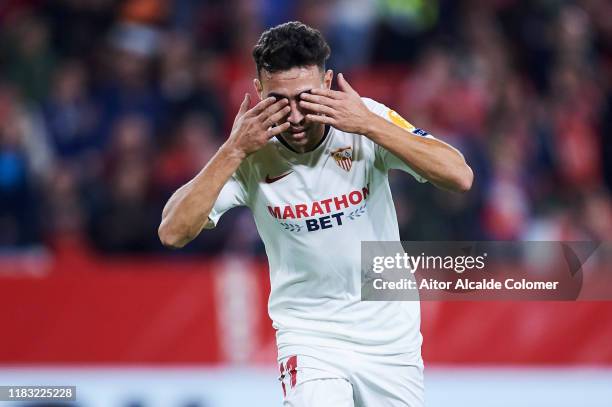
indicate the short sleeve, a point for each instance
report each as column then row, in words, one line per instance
column 232, row 194
column 388, row 159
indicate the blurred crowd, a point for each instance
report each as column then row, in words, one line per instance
column 107, row 106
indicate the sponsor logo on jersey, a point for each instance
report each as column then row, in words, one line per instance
column 343, row 157
column 322, row 214
column 270, row 179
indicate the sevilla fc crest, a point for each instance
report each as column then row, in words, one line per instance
column 343, row 157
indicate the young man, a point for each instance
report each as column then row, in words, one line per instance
column 311, row 163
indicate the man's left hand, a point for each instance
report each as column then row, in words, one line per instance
column 341, row 109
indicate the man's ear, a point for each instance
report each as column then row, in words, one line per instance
column 328, row 78
column 258, row 87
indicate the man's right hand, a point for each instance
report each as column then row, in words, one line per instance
column 187, row 210
column 252, row 128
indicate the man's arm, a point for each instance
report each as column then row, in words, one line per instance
column 436, row 161
column 186, row 212
column 439, row 163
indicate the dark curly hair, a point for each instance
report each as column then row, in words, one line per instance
column 290, row 45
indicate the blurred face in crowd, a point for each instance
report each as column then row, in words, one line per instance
column 303, row 135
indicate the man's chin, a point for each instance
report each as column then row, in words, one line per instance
column 303, row 140
column 296, row 139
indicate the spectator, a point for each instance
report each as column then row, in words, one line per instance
column 23, row 162
column 71, row 116
column 29, row 59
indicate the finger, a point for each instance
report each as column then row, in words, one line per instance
column 332, row 94
column 315, row 107
column 276, row 130
column 270, row 110
column 277, row 117
column 322, row 100
column 244, row 106
column 262, row 105
column 344, row 85
column 320, row 119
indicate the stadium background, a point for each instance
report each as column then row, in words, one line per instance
column 108, row 106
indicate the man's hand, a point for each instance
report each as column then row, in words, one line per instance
column 187, row 210
column 252, row 128
column 341, row 109
column 432, row 159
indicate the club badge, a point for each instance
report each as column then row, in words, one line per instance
column 343, row 157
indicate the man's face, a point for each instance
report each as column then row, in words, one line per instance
column 302, row 135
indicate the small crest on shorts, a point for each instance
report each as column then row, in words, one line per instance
column 343, row 157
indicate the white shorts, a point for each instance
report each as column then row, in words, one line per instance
column 342, row 378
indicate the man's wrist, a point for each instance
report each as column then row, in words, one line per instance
column 229, row 152
column 371, row 124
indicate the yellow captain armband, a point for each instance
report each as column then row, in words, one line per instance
column 404, row 124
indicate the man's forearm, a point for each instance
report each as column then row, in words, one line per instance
column 436, row 161
column 186, row 212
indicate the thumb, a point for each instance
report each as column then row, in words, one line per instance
column 344, row 85
column 244, row 106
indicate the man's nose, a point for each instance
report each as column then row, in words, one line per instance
column 295, row 116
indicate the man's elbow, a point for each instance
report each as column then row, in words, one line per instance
column 465, row 179
column 170, row 237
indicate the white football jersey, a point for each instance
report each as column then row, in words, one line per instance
column 312, row 211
